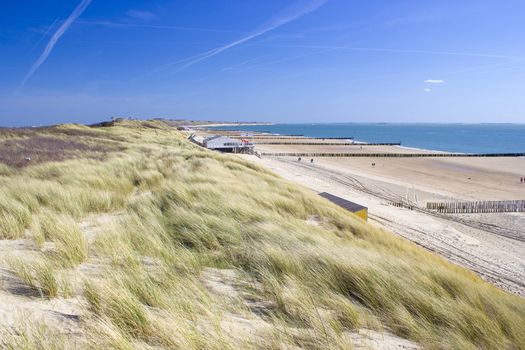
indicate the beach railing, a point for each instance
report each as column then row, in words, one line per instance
column 388, row 155
column 478, row 207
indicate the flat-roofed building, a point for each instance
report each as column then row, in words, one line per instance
column 227, row 144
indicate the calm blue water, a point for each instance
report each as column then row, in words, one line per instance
column 466, row 138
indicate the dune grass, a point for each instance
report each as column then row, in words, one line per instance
column 184, row 209
column 38, row 274
column 33, row 335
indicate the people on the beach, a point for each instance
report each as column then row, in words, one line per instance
column 299, row 159
column 311, row 160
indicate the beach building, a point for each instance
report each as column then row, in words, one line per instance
column 352, row 207
column 198, row 139
column 226, row 144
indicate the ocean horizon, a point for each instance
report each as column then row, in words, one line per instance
column 462, row 138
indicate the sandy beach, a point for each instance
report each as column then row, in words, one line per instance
column 492, row 245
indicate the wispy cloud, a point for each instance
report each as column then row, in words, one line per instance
column 54, row 39
column 144, row 15
column 153, row 26
column 426, row 90
column 488, row 68
column 290, row 14
column 417, row 17
column 401, row 51
column 242, row 64
column 45, row 34
column 434, row 81
column 286, row 59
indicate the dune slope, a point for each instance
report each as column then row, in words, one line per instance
column 130, row 237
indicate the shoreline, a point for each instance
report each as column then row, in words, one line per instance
column 443, row 138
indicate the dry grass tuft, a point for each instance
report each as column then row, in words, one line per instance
column 38, row 274
column 28, row 335
column 71, row 246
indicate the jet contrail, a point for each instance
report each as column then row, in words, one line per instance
column 291, row 14
column 377, row 49
column 54, row 39
column 152, row 26
column 45, row 34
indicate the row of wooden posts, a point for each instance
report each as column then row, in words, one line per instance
column 390, row 155
column 288, row 137
column 477, row 207
column 402, row 205
column 324, row 143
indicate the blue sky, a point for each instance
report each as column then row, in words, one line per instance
column 272, row 60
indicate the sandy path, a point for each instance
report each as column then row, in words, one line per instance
column 479, row 242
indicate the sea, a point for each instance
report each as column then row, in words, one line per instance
column 462, row 138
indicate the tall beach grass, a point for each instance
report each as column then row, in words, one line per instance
column 182, row 210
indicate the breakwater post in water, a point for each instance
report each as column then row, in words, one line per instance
column 477, row 207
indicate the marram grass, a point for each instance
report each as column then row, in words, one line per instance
column 180, row 210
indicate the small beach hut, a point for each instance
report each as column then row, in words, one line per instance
column 352, row 207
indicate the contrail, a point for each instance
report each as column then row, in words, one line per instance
column 152, row 26
column 45, row 34
column 54, row 39
column 388, row 50
column 285, row 59
column 289, row 15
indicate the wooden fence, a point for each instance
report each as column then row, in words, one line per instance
column 389, row 155
column 477, row 207
column 402, row 205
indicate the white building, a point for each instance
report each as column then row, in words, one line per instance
column 227, row 144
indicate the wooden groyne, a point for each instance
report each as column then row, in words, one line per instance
column 326, row 143
column 281, row 137
column 388, row 155
column 477, row 207
column 270, row 137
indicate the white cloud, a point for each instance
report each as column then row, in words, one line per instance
column 54, row 39
column 434, row 81
column 426, row 90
